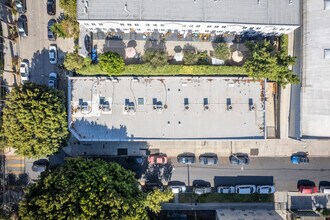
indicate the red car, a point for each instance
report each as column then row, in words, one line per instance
column 308, row 189
column 157, row 159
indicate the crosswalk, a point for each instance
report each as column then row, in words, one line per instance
column 15, row 164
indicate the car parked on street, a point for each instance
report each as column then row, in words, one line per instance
column 22, row 26
column 40, row 165
column 24, row 71
column 239, row 159
column 226, row 189
column 325, row 189
column 308, row 189
column 265, row 189
column 52, row 80
column 20, row 6
column 186, row 158
column 202, row 188
column 51, row 7
column 299, row 158
column 177, row 186
column 245, row 189
column 208, row 159
column 138, row 160
column 52, row 54
column 158, row 158
column 149, row 186
column 51, row 35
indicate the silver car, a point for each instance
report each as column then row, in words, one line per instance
column 226, row 189
column 177, row 187
column 245, row 189
column 52, row 54
column 265, row 189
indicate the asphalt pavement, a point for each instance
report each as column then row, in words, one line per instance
column 261, row 170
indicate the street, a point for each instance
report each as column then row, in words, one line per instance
column 35, row 46
column 259, row 171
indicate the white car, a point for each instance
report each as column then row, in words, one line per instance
column 265, row 189
column 226, row 189
column 52, row 80
column 245, row 189
column 52, row 54
column 24, row 71
column 177, row 187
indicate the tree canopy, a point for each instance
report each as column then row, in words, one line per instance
column 34, row 120
column 156, row 198
column 87, row 189
column 267, row 62
column 222, row 51
column 73, row 61
column 112, row 63
column 69, row 7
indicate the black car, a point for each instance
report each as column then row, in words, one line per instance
column 22, row 26
column 186, row 158
column 139, row 160
column 208, row 159
column 239, row 159
column 51, row 7
column 51, row 35
column 148, row 187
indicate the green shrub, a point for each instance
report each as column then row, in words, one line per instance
column 155, row 58
column 222, row 51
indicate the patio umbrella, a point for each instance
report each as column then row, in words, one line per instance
column 130, row 52
column 178, row 57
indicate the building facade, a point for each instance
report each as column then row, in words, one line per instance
column 267, row 17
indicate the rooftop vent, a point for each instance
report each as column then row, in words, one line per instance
column 258, row 2
column 326, row 4
column 104, row 105
column 229, row 106
column 186, row 103
column 206, row 104
column 129, row 107
column 290, row 2
column 157, row 105
column 252, row 106
column 326, row 53
column 135, row 79
column 83, row 106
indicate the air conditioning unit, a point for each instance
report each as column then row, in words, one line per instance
column 229, row 107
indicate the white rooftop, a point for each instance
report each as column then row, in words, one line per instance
column 176, row 108
column 315, row 113
column 268, row 12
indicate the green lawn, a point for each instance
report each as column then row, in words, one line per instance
column 168, row 70
column 223, row 198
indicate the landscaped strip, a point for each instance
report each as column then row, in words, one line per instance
column 223, row 198
column 168, row 70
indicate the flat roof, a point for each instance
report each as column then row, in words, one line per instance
column 315, row 107
column 227, row 11
column 166, row 108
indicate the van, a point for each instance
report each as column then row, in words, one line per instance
column 325, row 189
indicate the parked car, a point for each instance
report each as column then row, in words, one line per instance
column 139, row 160
column 22, row 26
column 325, row 189
column 20, row 6
column 307, row 189
column 299, row 159
column 40, row 165
column 208, row 159
column 51, row 35
column 177, row 186
column 245, row 189
column 51, row 7
column 152, row 186
column 24, row 71
column 186, row 158
column 239, row 159
column 226, row 189
column 52, row 80
column 202, row 188
column 158, row 158
column 52, row 54
column 265, row 189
